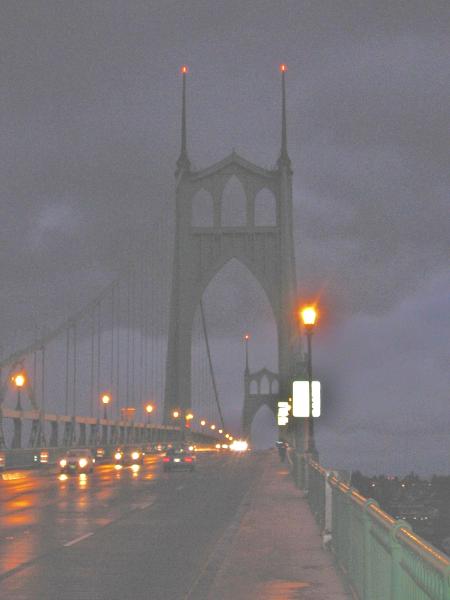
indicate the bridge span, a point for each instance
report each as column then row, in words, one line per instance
column 237, row 528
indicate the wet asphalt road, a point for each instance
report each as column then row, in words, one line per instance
column 120, row 534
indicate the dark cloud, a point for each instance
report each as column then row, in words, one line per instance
column 89, row 109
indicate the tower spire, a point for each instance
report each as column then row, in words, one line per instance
column 183, row 162
column 284, row 157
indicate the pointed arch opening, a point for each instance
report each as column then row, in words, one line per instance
column 264, row 431
column 202, row 209
column 234, row 304
column 265, row 209
column 233, row 204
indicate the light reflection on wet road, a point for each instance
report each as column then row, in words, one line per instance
column 118, row 533
column 41, row 509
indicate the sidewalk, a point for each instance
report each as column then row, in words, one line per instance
column 276, row 553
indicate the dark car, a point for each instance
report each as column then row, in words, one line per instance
column 77, row 461
column 178, row 458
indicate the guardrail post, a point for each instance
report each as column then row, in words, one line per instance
column 328, row 512
column 367, row 558
column 396, row 553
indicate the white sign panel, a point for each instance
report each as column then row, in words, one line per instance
column 283, row 413
column 300, row 399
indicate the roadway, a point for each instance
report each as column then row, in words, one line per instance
column 120, row 534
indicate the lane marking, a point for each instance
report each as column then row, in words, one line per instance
column 78, row 539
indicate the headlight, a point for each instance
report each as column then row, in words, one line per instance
column 82, row 462
column 191, row 448
column 135, row 455
column 118, row 455
column 63, row 462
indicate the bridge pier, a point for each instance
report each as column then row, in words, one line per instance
column 54, row 434
column 82, row 435
column 17, row 437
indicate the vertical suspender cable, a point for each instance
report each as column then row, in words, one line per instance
column 99, row 354
column 118, row 400
column 91, row 393
column 43, row 402
column 141, row 334
column 133, row 323
column 74, row 381
column 112, row 341
column 66, row 401
column 213, row 379
column 127, row 373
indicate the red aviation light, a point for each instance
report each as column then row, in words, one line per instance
column 184, row 70
column 283, row 67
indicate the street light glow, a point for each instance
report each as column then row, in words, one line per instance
column 19, row 380
column 189, row 417
column 149, row 408
column 106, row 399
column 308, row 315
column 203, row 422
column 213, row 427
column 175, row 414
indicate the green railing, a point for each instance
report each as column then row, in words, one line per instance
column 381, row 558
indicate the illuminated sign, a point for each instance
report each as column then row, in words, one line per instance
column 300, row 399
column 283, row 413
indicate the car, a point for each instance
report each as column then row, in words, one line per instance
column 178, row 458
column 128, row 456
column 77, row 461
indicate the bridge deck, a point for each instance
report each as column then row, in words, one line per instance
column 277, row 551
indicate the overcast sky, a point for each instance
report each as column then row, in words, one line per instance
column 89, row 109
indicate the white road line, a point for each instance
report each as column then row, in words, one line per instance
column 78, row 539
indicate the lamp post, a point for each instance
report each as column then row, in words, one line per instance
column 148, row 409
column 106, row 399
column 19, row 381
column 309, row 318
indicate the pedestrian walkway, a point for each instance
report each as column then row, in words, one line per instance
column 276, row 552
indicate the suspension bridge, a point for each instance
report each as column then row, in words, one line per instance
column 144, row 339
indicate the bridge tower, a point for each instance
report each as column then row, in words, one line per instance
column 201, row 252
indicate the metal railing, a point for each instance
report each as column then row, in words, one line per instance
column 381, row 558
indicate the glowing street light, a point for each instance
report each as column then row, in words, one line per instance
column 213, row 426
column 106, row 399
column 176, row 414
column 19, row 381
column 203, row 422
column 308, row 316
column 189, row 417
column 220, row 430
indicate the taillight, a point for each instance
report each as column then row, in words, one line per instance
column 188, row 459
column 166, row 459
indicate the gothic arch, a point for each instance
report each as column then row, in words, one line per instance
column 265, row 209
column 233, row 204
column 202, row 209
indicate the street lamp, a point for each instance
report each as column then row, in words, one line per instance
column 148, row 410
column 175, row 414
column 106, row 399
column 213, row 426
column 309, row 317
column 19, row 381
column 203, row 422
